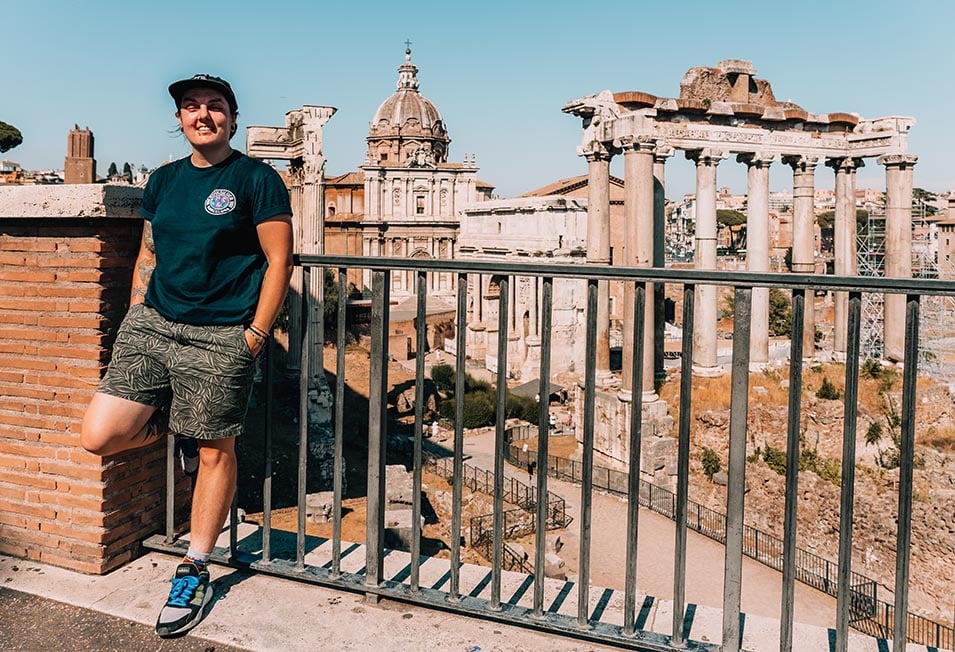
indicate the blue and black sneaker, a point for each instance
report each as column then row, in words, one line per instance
column 188, row 600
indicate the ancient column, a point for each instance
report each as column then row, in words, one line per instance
column 803, row 253
column 660, row 155
column 598, row 247
column 898, row 247
column 757, row 251
column 638, row 214
column 844, row 232
column 704, row 326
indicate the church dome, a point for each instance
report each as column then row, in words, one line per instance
column 407, row 128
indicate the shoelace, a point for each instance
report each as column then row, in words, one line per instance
column 182, row 590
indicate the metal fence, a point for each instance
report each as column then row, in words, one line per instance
column 867, row 613
column 371, row 578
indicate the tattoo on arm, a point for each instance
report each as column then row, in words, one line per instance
column 145, row 270
column 148, row 237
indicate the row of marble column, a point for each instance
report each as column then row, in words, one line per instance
column 644, row 169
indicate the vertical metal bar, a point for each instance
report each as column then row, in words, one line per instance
column 338, row 457
column 497, row 552
column 792, row 471
column 421, row 347
column 377, row 430
column 586, row 486
column 170, row 488
column 633, row 479
column 303, row 418
column 461, row 325
column 736, row 483
column 267, row 455
column 540, row 540
column 683, row 462
column 906, row 460
column 843, row 596
column 234, row 518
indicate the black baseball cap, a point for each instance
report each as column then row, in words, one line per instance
column 179, row 88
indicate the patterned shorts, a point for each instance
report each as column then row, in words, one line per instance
column 201, row 374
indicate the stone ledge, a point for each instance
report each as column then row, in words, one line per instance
column 70, row 201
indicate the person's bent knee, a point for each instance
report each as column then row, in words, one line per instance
column 111, row 424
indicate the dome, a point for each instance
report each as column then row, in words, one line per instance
column 407, row 128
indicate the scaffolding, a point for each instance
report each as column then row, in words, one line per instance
column 937, row 324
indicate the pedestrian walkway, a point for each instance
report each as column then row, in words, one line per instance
column 762, row 586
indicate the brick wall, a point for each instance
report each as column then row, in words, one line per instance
column 66, row 257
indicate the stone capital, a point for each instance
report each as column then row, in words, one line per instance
column 801, row 163
column 756, row 159
column 902, row 161
column 662, row 152
column 706, row 156
column 640, row 143
column 596, row 151
column 845, row 163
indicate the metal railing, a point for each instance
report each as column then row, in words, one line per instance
column 867, row 613
column 517, row 523
column 372, row 580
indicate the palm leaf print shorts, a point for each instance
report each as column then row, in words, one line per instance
column 201, row 374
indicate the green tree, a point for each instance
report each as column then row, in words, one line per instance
column 128, row 171
column 780, row 312
column 112, row 171
column 924, row 198
column 443, row 377
column 10, row 137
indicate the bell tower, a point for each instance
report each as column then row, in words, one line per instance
column 80, row 166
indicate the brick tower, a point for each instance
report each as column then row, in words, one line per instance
column 80, row 166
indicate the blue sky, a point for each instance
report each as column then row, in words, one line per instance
column 499, row 72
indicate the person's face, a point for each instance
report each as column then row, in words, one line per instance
column 205, row 118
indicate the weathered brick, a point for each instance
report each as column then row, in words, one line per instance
column 25, row 390
column 71, row 531
column 82, row 291
column 27, row 479
column 30, row 276
column 34, row 305
column 73, row 322
column 26, row 244
column 17, row 290
column 17, row 259
column 92, row 565
column 82, row 276
column 19, row 318
column 72, row 471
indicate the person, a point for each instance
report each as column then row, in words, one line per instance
column 530, row 470
column 211, row 276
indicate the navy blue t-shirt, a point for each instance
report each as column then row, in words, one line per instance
column 209, row 265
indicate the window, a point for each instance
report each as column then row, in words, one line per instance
column 419, row 205
column 384, row 156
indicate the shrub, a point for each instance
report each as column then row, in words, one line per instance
column 828, row 390
column 873, row 434
column 775, row 459
column 479, row 409
column 443, row 377
column 711, row 463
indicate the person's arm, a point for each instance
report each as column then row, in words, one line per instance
column 145, row 264
column 275, row 238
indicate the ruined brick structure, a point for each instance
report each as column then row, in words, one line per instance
column 66, row 255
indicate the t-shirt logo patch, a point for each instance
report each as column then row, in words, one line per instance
column 220, row 202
